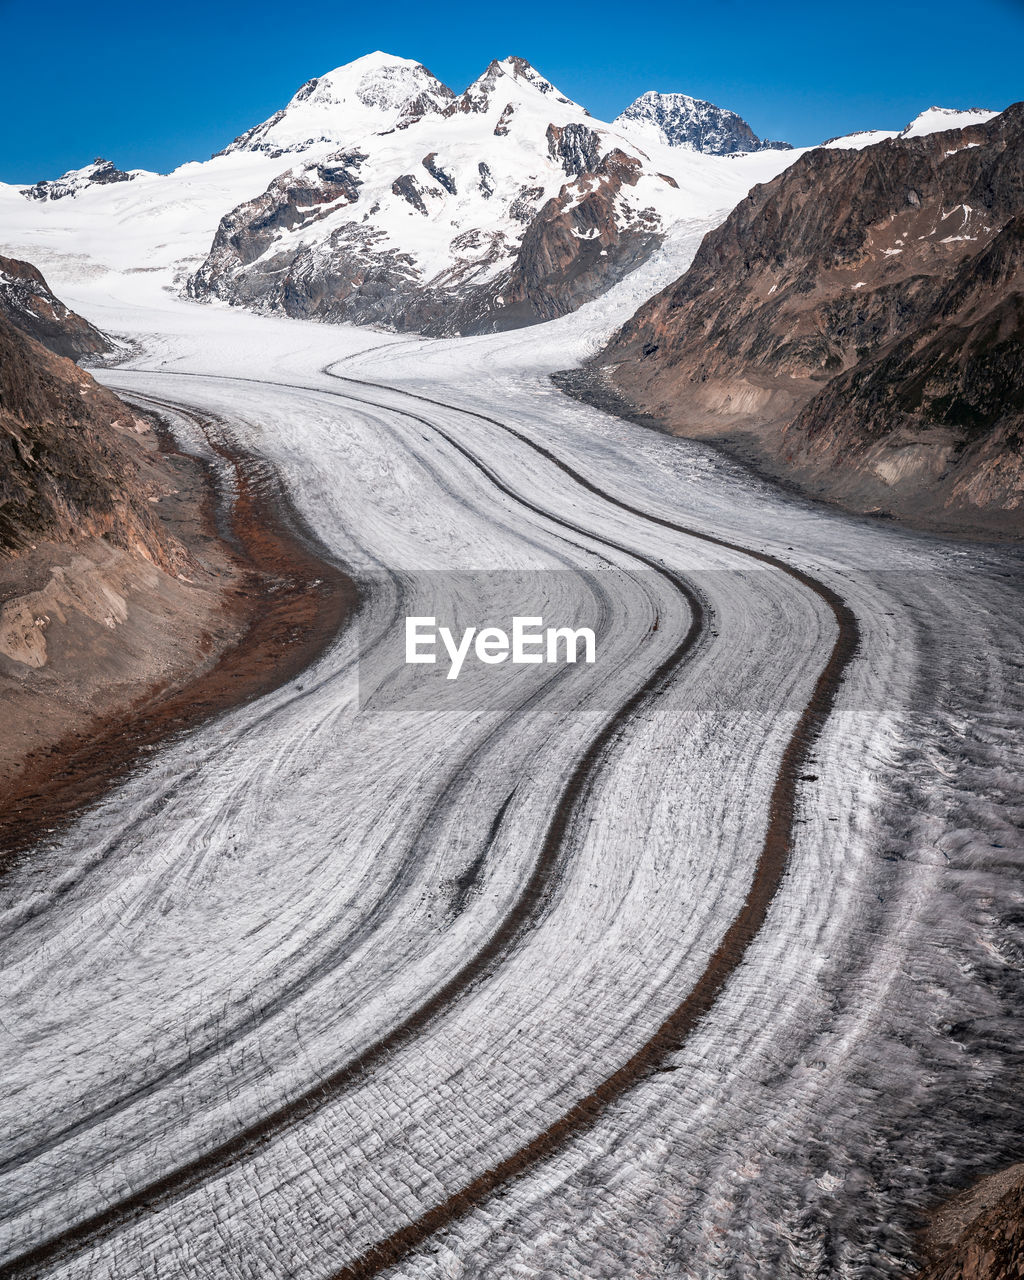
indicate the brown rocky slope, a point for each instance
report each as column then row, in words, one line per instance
column 124, row 614
column 573, row 250
column 27, row 301
column 857, row 326
column 979, row 1235
column 101, row 600
column 67, row 469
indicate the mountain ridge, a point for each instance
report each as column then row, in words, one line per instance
column 378, row 196
column 855, row 325
column 497, row 207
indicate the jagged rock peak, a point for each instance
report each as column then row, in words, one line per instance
column 508, row 79
column 370, row 95
column 677, row 120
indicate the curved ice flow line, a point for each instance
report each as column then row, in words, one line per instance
column 730, row 952
column 294, row 696
column 343, row 948
column 523, row 915
column 728, row 956
column 814, row 716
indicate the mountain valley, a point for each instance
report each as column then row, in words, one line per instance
column 701, row 959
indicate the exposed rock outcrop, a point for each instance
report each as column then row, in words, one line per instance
column 677, row 120
column 980, row 1234
column 856, row 324
column 135, row 599
column 100, row 173
column 69, row 469
column 573, row 250
column 27, row 301
column 576, row 147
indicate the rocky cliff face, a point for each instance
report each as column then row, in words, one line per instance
column 115, row 589
column 857, row 323
column 677, row 120
column 575, row 247
column 502, row 206
column 28, row 303
column 69, row 469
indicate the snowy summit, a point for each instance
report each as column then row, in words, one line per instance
column 412, row 207
column 373, row 94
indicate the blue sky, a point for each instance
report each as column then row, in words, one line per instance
column 154, row 85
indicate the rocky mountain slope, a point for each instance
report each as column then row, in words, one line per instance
column 858, row 325
column 501, row 206
column 113, row 589
column 677, row 120
column 27, row 301
column 68, row 467
column 979, row 1235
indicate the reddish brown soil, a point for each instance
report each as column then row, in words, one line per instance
column 290, row 605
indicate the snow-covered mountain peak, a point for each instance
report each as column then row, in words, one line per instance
column 677, row 120
column 377, row 80
column 100, row 173
column 521, row 70
column 933, row 120
column 937, row 119
column 376, row 195
column 512, row 80
column 374, row 93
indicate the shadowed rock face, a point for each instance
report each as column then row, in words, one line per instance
column 575, row 147
column 27, row 302
column 291, row 201
column 68, row 471
column 573, row 250
column 857, row 324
